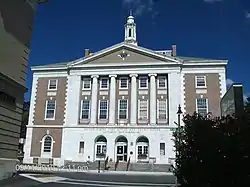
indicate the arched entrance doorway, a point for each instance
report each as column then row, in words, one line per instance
column 100, row 148
column 142, row 147
column 121, row 148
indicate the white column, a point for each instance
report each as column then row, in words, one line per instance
column 152, row 99
column 93, row 111
column 133, row 100
column 112, row 99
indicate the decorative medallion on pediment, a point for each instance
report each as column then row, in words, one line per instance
column 123, row 55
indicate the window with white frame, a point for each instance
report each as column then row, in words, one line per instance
column 104, row 82
column 86, row 84
column 162, row 82
column 85, row 109
column 81, row 147
column 162, row 109
column 47, row 144
column 162, row 149
column 52, row 84
column 143, row 109
column 103, row 109
column 50, row 110
column 202, row 106
column 200, row 81
column 143, row 82
column 123, row 83
column 123, row 109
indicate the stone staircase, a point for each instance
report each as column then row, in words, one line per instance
column 122, row 166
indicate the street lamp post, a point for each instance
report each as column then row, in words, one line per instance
column 179, row 112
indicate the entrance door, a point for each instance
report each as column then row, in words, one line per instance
column 122, row 152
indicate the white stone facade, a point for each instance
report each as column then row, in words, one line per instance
column 140, row 143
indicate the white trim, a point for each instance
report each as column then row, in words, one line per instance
column 47, row 154
column 163, row 127
column 120, row 83
column 196, row 105
column 158, row 82
column 100, row 87
column 83, row 80
column 99, row 107
column 49, row 82
column 140, row 82
column 121, row 45
column 45, row 114
column 118, row 117
column 205, row 81
column 88, row 111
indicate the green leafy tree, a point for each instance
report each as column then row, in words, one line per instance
column 213, row 152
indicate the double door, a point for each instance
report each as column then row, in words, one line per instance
column 122, row 152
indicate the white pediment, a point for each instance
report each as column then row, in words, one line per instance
column 123, row 54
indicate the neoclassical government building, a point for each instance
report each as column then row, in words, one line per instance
column 120, row 102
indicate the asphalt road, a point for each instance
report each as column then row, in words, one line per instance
column 94, row 180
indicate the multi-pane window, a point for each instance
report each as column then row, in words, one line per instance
column 101, row 149
column 104, row 83
column 123, row 108
column 202, row 106
column 143, row 109
column 143, row 82
column 162, row 148
column 123, row 83
column 52, row 84
column 47, row 144
column 50, row 109
column 86, row 84
column 103, row 109
column 162, row 109
column 85, row 109
column 162, row 82
column 142, row 150
column 139, row 150
column 200, row 81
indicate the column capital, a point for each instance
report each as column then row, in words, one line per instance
column 94, row 76
column 152, row 74
column 113, row 76
column 133, row 75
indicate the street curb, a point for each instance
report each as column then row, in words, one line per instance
column 133, row 173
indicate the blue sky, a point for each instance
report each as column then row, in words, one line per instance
column 217, row 29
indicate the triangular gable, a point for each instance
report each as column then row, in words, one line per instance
column 131, row 53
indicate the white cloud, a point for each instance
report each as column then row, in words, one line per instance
column 212, row 1
column 229, row 82
column 248, row 15
column 141, row 6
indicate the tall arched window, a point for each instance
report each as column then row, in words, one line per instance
column 47, row 144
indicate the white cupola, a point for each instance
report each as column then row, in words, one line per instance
column 130, row 30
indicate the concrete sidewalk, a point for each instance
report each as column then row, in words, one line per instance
column 131, row 173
